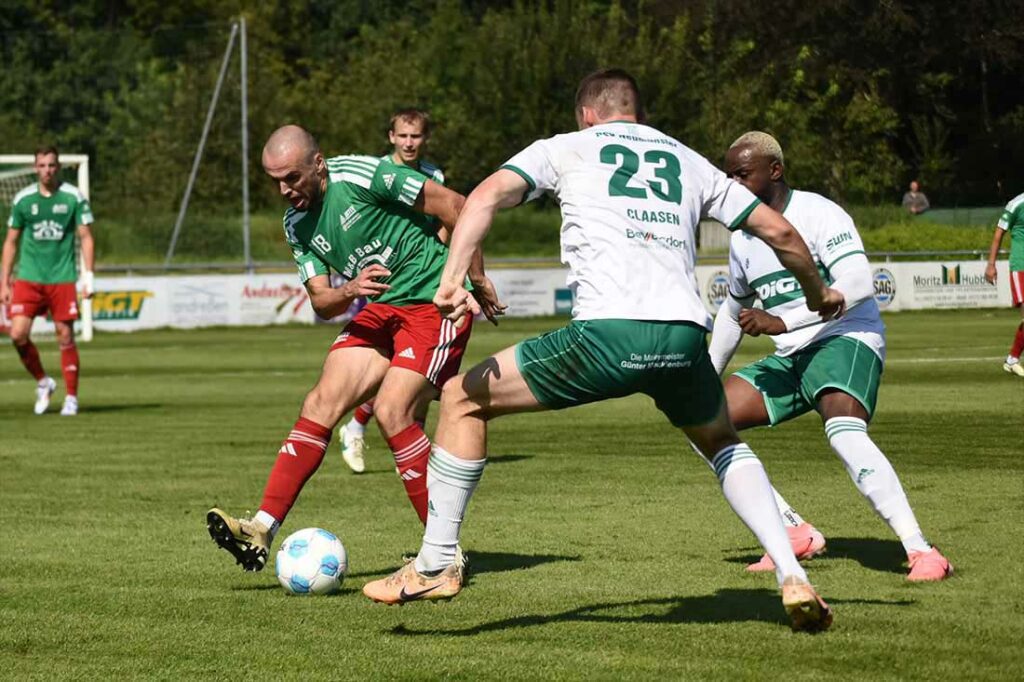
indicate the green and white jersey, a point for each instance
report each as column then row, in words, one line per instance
column 1012, row 221
column 46, row 252
column 755, row 270
column 631, row 199
column 366, row 217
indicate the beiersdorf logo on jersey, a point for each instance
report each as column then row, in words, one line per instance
column 118, row 305
column 667, row 241
column 717, row 288
column 48, row 230
column 885, row 287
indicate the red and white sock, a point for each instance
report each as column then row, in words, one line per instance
column 411, row 448
column 1018, row 342
column 29, row 355
column 69, row 367
column 299, row 457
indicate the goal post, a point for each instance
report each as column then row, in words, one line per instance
column 17, row 171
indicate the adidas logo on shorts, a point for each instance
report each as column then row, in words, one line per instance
column 408, row 353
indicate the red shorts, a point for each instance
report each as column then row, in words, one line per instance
column 415, row 337
column 1017, row 287
column 32, row 298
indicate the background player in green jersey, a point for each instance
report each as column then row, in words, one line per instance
column 834, row 367
column 631, row 198
column 361, row 216
column 45, row 218
column 1012, row 221
column 408, row 134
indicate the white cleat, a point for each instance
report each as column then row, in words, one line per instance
column 70, row 407
column 44, row 391
column 352, row 450
column 1015, row 368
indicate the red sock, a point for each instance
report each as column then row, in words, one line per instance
column 69, row 366
column 29, row 355
column 411, row 448
column 364, row 413
column 1018, row 341
column 297, row 460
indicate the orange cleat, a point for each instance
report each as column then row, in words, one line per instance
column 407, row 584
column 807, row 543
column 930, row 565
column 807, row 611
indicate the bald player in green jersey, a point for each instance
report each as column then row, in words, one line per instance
column 363, row 217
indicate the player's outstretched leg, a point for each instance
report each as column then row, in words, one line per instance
column 348, row 375
column 352, row 438
column 747, row 409
column 746, row 488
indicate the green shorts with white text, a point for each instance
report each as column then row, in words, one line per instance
column 594, row 360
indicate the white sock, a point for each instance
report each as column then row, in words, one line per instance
column 450, row 483
column 354, row 429
column 790, row 518
column 749, row 493
column 1010, row 360
column 269, row 521
column 875, row 479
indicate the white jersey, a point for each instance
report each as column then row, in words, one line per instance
column 631, row 199
column 755, row 270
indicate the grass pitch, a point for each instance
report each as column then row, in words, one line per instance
column 601, row 546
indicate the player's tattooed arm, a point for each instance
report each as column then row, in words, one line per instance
column 785, row 241
column 10, row 250
column 328, row 301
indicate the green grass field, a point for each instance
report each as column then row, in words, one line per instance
column 601, row 546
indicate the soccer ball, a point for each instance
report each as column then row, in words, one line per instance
column 311, row 561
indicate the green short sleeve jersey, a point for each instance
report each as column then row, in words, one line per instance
column 1012, row 221
column 366, row 217
column 46, row 250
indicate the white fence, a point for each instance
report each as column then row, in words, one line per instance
column 147, row 302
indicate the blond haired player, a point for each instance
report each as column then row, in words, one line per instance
column 833, row 367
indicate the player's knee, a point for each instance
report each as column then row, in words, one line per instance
column 321, row 407
column 19, row 337
column 393, row 416
column 457, row 401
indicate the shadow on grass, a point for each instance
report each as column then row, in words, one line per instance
column 725, row 606
column 506, row 459
column 268, row 587
column 489, row 562
column 128, row 407
column 886, row 556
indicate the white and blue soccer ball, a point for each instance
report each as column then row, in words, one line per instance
column 311, row 561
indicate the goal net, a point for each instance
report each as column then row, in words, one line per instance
column 16, row 173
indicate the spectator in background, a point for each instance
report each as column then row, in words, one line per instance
column 915, row 200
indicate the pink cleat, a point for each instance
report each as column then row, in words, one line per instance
column 930, row 565
column 807, row 543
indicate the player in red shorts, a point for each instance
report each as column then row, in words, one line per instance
column 41, row 233
column 1012, row 221
column 372, row 221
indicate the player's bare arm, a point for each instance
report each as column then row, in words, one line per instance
column 772, row 228
column 446, row 205
column 502, row 189
column 993, row 253
column 10, row 250
column 88, row 258
column 328, row 301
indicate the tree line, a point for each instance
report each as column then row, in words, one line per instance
column 863, row 95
